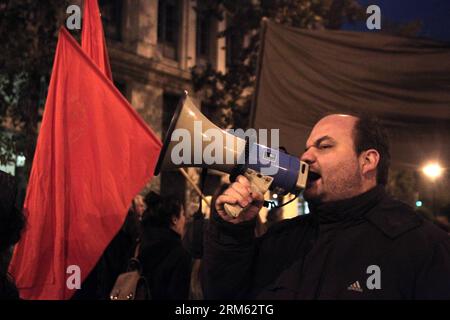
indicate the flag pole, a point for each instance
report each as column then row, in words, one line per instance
column 196, row 188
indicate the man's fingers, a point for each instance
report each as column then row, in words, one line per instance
column 243, row 202
column 257, row 197
column 220, row 202
column 244, row 192
column 240, row 193
column 243, row 180
column 225, row 198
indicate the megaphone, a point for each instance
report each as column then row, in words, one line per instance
column 194, row 141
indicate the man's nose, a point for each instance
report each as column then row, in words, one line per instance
column 308, row 156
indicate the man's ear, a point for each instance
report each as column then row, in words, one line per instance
column 369, row 160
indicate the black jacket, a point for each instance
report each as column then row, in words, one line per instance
column 166, row 264
column 332, row 253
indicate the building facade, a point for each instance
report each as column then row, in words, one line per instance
column 153, row 44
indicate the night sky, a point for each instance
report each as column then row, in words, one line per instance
column 434, row 15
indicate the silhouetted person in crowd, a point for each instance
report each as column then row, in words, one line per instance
column 12, row 222
column 166, row 264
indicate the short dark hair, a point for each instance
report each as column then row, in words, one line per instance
column 369, row 133
column 160, row 210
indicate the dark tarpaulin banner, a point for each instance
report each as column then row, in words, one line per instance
column 305, row 74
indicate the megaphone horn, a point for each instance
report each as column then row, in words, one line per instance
column 194, row 141
column 191, row 135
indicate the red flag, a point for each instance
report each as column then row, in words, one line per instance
column 92, row 37
column 94, row 154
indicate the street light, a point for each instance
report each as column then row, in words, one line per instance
column 433, row 171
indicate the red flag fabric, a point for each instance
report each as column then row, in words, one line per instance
column 94, row 154
column 92, row 37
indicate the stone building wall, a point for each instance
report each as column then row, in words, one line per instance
column 144, row 75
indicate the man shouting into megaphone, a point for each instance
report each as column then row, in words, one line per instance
column 357, row 243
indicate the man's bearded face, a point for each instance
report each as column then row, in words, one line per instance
column 335, row 173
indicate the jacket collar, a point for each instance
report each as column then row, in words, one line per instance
column 348, row 209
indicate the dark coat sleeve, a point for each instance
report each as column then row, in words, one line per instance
column 229, row 252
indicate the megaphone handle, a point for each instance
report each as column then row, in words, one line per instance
column 258, row 183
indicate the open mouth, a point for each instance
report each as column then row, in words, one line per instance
column 313, row 177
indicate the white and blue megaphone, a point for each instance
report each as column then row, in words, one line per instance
column 194, row 141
